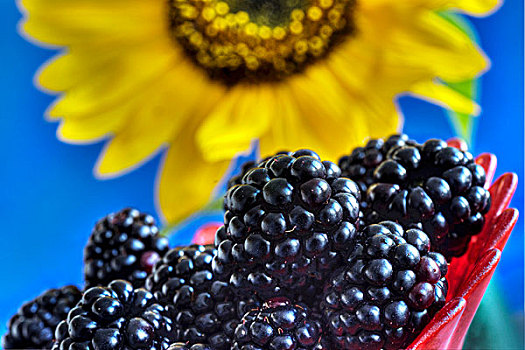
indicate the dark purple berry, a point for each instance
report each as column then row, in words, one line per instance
column 386, row 292
column 34, row 325
column 294, row 223
column 278, row 325
column 204, row 310
column 123, row 245
column 430, row 186
column 116, row 317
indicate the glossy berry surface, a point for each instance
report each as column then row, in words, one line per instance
column 204, row 310
column 123, row 245
column 434, row 187
column 185, row 346
column 245, row 167
column 33, row 326
column 278, row 325
column 286, row 225
column 388, row 290
column 361, row 163
column 115, row 317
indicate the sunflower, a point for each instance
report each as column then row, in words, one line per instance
column 202, row 79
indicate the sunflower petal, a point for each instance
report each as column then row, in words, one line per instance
column 60, row 22
column 118, row 80
column 242, row 117
column 445, row 96
column 426, row 42
column 160, row 114
column 186, row 179
column 473, row 7
column 94, row 127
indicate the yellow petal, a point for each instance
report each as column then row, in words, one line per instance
column 335, row 120
column 93, row 127
column 242, row 117
column 471, row 7
column 280, row 136
column 444, row 96
column 66, row 22
column 161, row 113
column 426, row 41
column 121, row 78
column 186, row 180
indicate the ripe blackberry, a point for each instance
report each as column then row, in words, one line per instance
column 123, row 245
column 434, row 187
column 361, row 163
column 388, row 290
column 204, row 309
column 287, row 224
column 184, row 346
column 245, row 167
column 278, row 325
column 115, row 317
column 33, row 326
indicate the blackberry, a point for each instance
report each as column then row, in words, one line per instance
column 278, row 325
column 33, row 326
column 361, row 163
column 433, row 187
column 204, row 309
column 123, row 245
column 245, row 167
column 286, row 226
column 387, row 291
column 115, row 317
column 184, row 346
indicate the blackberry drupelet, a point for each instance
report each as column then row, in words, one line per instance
column 33, row 326
column 245, row 167
column 361, row 163
column 204, row 310
column 184, row 346
column 388, row 290
column 286, row 226
column 123, row 245
column 434, row 187
column 278, row 325
column 115, row 317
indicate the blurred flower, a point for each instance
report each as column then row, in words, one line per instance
column 203, row 79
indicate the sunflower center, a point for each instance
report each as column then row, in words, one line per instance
column 259, row 40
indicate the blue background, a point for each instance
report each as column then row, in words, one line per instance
column 49, row 199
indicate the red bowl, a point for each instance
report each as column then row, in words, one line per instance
column 468, row 275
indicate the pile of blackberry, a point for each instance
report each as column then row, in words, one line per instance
column 287, row 225
column 311, row 255
column 432, row 187
column 204, row 309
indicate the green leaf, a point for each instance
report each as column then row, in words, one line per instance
column 464, row 125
